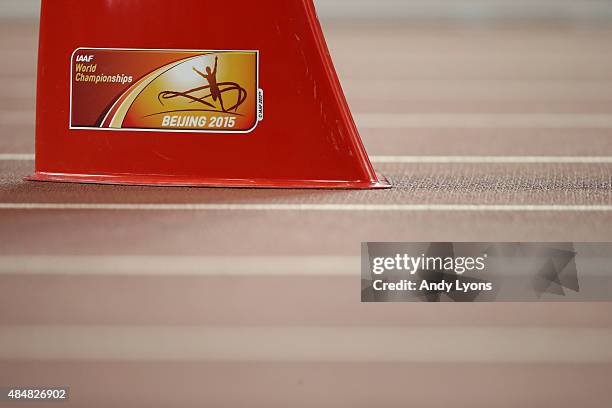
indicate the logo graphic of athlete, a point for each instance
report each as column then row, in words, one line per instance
column 212, row 89
column 211, row 77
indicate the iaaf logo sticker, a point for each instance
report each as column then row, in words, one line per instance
column 165, row 90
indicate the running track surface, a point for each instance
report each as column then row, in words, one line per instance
column 145, row 297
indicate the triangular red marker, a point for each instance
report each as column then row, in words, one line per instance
column 196, row 93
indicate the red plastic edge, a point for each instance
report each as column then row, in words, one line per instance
column 179, row 181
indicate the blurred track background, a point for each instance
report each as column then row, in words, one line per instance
column 493, row 118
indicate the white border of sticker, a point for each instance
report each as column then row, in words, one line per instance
column 257, row 95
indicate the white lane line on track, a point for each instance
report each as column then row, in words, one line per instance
column 16, row 157
column 310, row 207
column 180, row 266
column 492, row 159
column 482, row 121
column 206, row 266
column 434, row 159
column 300, row 344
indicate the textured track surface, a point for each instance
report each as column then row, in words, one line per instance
column 242, row 298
